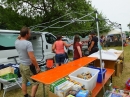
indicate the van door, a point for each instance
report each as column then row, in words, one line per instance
column 7, row 48
column 49, row 40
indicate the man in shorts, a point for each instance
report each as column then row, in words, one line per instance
column 28, row 64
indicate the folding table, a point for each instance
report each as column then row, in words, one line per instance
column 50, row 76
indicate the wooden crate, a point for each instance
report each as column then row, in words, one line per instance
column 6, row 71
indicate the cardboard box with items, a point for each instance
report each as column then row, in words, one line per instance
column 67, row 87
column 115, row 92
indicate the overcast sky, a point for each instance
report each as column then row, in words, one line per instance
column 115, row 10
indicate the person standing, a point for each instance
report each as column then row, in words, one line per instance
column 89, row 41
column 94, row 44
column 58, row 48
column 28, row 64
column 77, row 47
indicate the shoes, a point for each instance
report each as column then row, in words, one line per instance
column 27, row 95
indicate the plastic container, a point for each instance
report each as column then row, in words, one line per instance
column 43, row 68
column 6, row 71
column 28, row 83
column 89, row 84
column 99, row 79
column 9, row 76
column 49, row 63
column 103, row 64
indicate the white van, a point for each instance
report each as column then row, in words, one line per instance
column 114, row 38
column 41, row 41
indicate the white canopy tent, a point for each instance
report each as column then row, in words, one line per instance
column 115, row 32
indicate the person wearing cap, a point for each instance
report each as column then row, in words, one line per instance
column 94, row 44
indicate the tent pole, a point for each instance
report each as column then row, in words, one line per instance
column 121, row 37
column 120, row 27
column 99, row 47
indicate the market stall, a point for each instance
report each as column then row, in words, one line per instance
column 53, row 75
column 111, row 58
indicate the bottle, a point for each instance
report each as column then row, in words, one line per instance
column 28, row 83
column 103, row 64
column 99, row 46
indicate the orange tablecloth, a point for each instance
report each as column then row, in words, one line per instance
column 57, row 73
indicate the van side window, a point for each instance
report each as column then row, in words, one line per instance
column 7, row 41
column 50, row 38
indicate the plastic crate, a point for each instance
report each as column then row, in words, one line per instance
column 9, row 76
column 89, row 84
column 99, row 79
column 6, row 71
column 49, row 63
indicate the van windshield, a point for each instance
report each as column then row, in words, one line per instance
column 50, row 38
column 7, row 41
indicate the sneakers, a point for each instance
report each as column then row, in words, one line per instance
column 27, row 95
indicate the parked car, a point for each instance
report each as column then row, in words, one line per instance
column 41, row 41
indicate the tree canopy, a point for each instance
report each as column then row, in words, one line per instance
column 9, row 19
column 128, row 25
column 32, row 12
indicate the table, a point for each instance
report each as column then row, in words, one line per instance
column 50, row 76
column 99, row 86
column 109, row 57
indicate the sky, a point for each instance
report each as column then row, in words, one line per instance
column 115, row 10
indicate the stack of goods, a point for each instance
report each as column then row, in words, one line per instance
column 81, row 93
column 117, row 93
column 66, row 87
column 85, row 76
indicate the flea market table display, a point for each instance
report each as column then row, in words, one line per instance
column 111, row 58
column 57, row 77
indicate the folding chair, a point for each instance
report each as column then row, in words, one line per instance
column 7, row 84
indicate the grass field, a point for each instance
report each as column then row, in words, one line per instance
column 117, row 81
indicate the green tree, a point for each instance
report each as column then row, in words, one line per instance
column 9, row 19
column 128, row 25
column 44, row 11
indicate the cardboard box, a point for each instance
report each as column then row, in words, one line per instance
column 6, row 71
column 53, row 85
column 52, row 94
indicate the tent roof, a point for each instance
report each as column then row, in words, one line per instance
column 114, row 32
